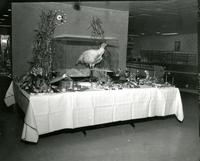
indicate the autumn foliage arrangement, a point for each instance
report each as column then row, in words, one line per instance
column 41, row 66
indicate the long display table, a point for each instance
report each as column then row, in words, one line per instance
column 45, row 113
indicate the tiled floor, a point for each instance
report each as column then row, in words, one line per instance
column 151, row 140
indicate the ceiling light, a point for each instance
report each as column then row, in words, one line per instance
column 140, row 15
column 9, row 10
column 142, row 33
column 169, row 33
column 133, row 35
column 8, row 26
column 5, row 15
column 2, row 19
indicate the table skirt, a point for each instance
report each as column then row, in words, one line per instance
column 45, row 113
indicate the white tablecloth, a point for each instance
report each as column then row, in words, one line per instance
column 50, row 112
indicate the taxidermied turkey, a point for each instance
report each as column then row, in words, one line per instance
column 92, row 57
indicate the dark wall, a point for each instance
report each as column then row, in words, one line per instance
column 4, row 84
column 5, row 31
column 25, row 18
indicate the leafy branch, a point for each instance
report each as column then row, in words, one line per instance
column 43, row 50
column 96, row 26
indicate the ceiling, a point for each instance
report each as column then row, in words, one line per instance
column 145, row 17
column 5, row 14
